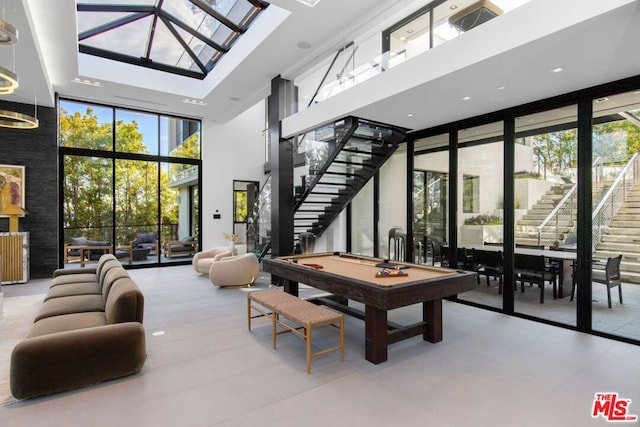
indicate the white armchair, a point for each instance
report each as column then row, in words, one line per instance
column 237, row 270
column 202, row 260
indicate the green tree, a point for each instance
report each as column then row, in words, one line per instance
column 88, row 199
column 555, row 152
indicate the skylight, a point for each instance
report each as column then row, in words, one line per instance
column 184, row 37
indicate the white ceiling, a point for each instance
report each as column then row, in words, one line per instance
column 597, row 50
column 46, row 58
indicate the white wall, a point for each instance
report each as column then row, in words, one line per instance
column 230, row 151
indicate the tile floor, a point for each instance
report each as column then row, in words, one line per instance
column 208, row 370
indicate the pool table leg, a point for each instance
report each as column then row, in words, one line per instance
column 432, row 315
column 291, row 287
column 376, row 337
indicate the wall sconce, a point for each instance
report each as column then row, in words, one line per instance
column 13, row 211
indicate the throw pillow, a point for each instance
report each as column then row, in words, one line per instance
column 78, row 241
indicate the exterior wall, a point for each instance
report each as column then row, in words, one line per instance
column 37, row 151
column 230, row 151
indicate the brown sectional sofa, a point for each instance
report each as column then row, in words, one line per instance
column 89, row 329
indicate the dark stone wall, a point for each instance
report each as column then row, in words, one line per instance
column 37, row 151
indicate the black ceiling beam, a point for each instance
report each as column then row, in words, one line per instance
column 112, row 25
column 259, row 4
column 223, row 19
column 89, row 50
column 184, row 44
column 193, row 32
column 124, row 8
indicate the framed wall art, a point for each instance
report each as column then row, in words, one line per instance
column 12, row 186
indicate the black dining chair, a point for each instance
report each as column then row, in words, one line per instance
column 488, row 264
column 610, row 277
column 533, row 269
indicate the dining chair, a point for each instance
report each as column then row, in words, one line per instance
column 489, row 264
column 534, row 269
column 610, row 277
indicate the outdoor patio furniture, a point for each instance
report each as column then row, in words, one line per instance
column 182, row 247
column 609, row 276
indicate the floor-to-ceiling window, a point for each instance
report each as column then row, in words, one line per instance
column 615, row 290
column 130, row 184
column 430, row 198
column 554, row 189
column 545, row 197
column 480, row 206
column 392, row 227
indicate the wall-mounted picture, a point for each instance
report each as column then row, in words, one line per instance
column 11, row 186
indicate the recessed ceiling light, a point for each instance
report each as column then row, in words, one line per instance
column 502, row 87
column 605, row 99
column 557, row 70
column 87, row 82
column 234, row 99
column 409, row 31
column 466, row 98
column 304, row 45
column 158, row 333
column 453, row 7
column 309, row 3
column 194, row 101
column 410, row 115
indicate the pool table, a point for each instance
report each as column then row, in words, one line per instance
column 357, row 278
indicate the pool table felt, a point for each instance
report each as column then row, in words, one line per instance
column 364, row 269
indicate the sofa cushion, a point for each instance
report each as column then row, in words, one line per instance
column 98, row 243
column 86, row 288
column 74, row 278
column 125, row 302
column 78, row 241
column 108, row 266
column 70, row 304
column 110, row 278
column 146, row 238
column 188, row 239
column 70, row 359
column 67, row 322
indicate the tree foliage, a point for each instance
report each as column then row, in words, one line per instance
column 613, row 142
column 88, row 197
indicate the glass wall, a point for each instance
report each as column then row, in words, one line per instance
column 481, row 208
column 362, row 239
column 430, row 198
column 545, row 194
column 615, row 288
column 119, row 193
column 392, row 227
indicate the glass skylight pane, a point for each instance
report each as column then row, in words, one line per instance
column 186, row 12
column 240, row 11
column 166, row 49
column 221, row 35
column 90, row 20
column 130, row 39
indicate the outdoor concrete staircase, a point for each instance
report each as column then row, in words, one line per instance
column 526, row 231
column 622, row 236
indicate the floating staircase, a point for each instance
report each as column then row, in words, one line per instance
column 344, row 157
column 340, row 159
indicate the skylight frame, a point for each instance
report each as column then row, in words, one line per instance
column 131, row 13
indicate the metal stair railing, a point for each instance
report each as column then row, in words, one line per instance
column 606, row 210
column 565, row 210
column 550, row 232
